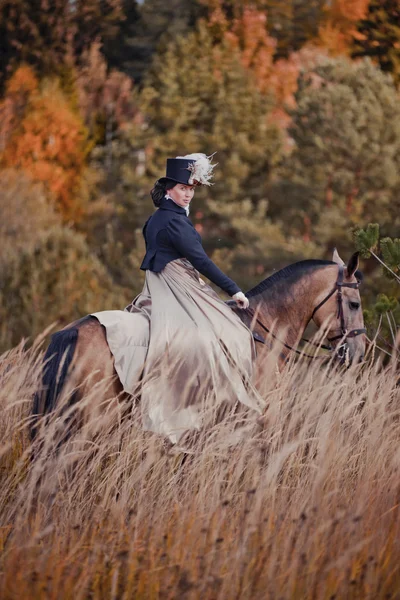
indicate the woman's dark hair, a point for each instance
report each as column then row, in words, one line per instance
column 160, row 188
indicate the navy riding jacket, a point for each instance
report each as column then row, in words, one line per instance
column 169, row 234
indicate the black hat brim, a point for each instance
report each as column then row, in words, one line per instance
column 163, row 180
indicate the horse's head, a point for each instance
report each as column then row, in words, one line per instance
column 341, row 309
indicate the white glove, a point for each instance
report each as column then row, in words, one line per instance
column 241, row 300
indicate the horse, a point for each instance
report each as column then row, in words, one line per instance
column 280, row 308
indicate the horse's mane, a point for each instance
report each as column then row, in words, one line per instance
column 290, row 274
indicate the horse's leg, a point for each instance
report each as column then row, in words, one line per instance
column 77, row 359
column 93, row 371
column 80, row 385
column 105, row 406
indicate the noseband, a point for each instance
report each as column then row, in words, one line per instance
column 344, row 334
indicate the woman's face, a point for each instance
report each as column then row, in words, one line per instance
column 182, row 194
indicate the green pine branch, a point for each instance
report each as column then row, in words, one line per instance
column 368, row 244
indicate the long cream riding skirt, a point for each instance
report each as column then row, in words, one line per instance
column 189, row 353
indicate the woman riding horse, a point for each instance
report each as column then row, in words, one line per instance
column 178, row 345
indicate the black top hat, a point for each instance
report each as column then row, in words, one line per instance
column 192, row 169
column 178, row 170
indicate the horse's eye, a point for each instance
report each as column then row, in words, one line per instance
column 354, row 305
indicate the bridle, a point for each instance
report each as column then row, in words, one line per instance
column 338, row 288
column 343, row 335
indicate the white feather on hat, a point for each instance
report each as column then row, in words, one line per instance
column 201, row 169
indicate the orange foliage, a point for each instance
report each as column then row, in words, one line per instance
column 340, row 28
column 23, row 83
column 18, row 91
column 47, row 139
column 248, row 34
column 284, row 81
column 350, row 10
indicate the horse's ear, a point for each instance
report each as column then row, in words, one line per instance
column 353, row 264
column 336, row 258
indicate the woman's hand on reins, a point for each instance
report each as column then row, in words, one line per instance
column 241, row 300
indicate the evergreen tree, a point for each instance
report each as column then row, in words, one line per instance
column 345, row 164
column 383, row 314
column 147, row 25
column 127, row 55
column 379, row 36
column 25, row 213
column 57, row 280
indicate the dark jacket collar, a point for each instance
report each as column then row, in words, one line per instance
column 168, row 204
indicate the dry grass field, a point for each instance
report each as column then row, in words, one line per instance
column 302, row 504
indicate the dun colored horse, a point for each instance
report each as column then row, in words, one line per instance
column 281, row 307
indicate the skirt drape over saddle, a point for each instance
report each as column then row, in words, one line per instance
column 184, row 349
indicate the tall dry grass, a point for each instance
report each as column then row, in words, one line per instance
column 304, row 504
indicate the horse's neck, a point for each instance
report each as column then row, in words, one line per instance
column 287, row 319
column 288, row 313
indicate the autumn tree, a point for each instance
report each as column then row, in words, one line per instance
column 20, row 90
column 292, row 24
column 248, row 33
column 35, row 33
column 105, row 96
column 339, row 27
column 378, row 36
column 93, row 20
column 46, row 139
column 50, row 36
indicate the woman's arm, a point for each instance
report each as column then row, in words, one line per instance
column 185, row 239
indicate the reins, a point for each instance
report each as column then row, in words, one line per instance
column 344, row 334
column 259, row 338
